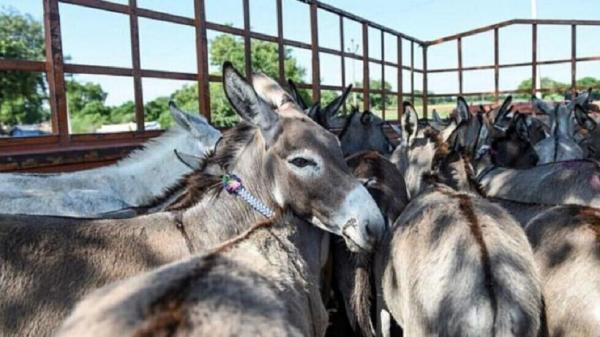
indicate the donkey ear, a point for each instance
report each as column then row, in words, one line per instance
column 332, row 108
column 584, row 119
column 504, row 110
column 521, row 125
column 248, row 105
column 542, row 105
column 582, row 99
column 436, row 117
column 314, row 112
column 196, row 124
column 409, row 123
column 189, row 160
column 462, row 111
column 296, row 95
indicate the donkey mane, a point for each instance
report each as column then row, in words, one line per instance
column 194, row 185
column 151, row 146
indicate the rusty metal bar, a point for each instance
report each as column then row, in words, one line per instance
column 280, row 46
column 533, row 58
column 412, row 72
column 513, row 65
column 425, row 98
column 366, row 79
column 22, row 65
column 123, row 9
column 496, row 63
column 247, row 40
column 512, row 22
column 359, row 19
column 135, row 62
column 460, row 64
column 55, row 70
column 202, row 58
column 515, row 91
column 342, row 57
column 573, row 60
column 314, row 36
column 400, row 96
column 383, row 75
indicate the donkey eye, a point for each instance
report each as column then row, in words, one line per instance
column 302, row 162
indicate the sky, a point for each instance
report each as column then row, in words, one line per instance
column 102, row 38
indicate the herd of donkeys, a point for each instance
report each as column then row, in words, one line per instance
column 301, row 221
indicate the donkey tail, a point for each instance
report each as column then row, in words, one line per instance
column 520, row 310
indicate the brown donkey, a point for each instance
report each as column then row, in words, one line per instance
column 285, row 161
column 566, row 245
column 454, row 264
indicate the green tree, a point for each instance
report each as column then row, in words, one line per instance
column 87, row 110
column 22, row 94
column 186, row 99
column 376, row 100
column 264, row 58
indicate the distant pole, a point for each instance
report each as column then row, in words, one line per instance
column 539, row 74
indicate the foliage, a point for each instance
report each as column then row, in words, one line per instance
column 87, row 108
column 22, row 94
column 264, row 58
column 376, row 100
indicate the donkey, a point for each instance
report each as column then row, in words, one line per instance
column 328, row 116
column 566, row 245
column 560, row 146
column 284, row 160
column 359, row 131
column 413, row 164
column 590, row 139
column 263, row 283
column 132, row 182
column 453, row 263
column 352, row 273
column 566, row 182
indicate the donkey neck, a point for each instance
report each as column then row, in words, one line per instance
column 147, row 173
column 297, row 251
column 221, row 215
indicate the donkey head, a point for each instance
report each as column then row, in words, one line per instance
column 467, row 132
column 536, row 129
column 294, row 163
column 382, row 180
column 591, row 139
column 414, row 155
column 326, row 117
column 364, row 132
column 513, row 148
column 203, row 134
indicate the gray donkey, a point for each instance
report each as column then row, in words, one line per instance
column 284, row 160
column 132, row 182
column 566, row 244
column 263, row 283
column 358, row 131
column 454, row 264
column 561, row 144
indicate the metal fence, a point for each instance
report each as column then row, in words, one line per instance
column 535, row 62
column 55, row 67
column 62, row 147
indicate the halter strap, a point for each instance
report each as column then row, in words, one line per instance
column 233, row 185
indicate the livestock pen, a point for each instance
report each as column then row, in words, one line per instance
column 407, row 63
